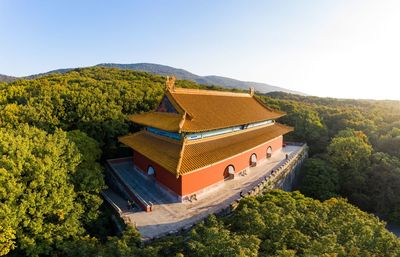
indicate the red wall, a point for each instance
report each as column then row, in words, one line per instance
column 162, row 175
column 200, row 179
column 195, row 181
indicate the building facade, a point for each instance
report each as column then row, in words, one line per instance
column 196, row 138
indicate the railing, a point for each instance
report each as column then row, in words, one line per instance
column 111, row 202
column 272, row 180
column 146, row 206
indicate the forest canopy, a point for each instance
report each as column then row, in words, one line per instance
column 55, row 131
column 355, row 151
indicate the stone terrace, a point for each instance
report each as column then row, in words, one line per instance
column 169, row 215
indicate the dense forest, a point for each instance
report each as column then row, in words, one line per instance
column 56, row 130
column 354, row 146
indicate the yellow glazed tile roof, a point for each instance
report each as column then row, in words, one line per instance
column 161, row 120
column 212, row 110
column 163, row 151
column 183, row 157
column 202, row 154
column 204, row 110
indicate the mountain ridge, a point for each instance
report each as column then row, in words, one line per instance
column 165, row 70
column 6, row 78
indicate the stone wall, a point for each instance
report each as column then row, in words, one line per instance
column 284, row 177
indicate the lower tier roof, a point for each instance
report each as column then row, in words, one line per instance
column 182, row 157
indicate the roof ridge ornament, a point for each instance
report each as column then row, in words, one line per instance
column 251, row 91
column 182, row 122
column 170, row 83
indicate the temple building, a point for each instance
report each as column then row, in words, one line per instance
column 196, row 139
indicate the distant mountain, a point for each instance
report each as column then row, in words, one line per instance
column 5, row 78
column 153, row 68
column 60, row 71
column 179, row 73
column 208, row 80
column 233, row 83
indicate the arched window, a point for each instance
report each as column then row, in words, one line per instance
column 269, row 152
column 229, row 172
column 253, row 160
column 150, row 170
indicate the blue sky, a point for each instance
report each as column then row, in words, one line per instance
column 339, row 48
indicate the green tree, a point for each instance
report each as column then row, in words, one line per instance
column 290, row 224
column 88, row 178
column 212, row 239
column 320, row 180
column 9, row 191
column 383, row 185
column 308, row 124
column 349, row 150
column 128, row 245
column 390, row 142
column 37, row 201
column 367, row 181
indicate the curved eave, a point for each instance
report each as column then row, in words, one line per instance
column 206, row 152
column 183, row 157
column 205, row 129
column 279, row 112
column 163, row 151
column 164, row 121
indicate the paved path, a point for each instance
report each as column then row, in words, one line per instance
column 169, row 215
column 142, row 183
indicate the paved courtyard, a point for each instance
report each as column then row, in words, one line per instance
column 170, row 215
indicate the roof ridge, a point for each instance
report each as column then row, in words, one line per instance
column 267, row 107
column 198, row 91
column 154, row 111
column 178, row 166
column 175, row 102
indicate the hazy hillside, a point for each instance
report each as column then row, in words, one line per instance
column 58, row 71
column 233, row 83
column 208, row 80
column 179, row 73
column 5, row 78
column 153, row 68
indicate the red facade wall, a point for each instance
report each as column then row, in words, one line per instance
column 162, row 175
column 200, row 179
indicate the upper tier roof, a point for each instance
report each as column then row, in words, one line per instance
column 196, row 110
column 182, row 157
